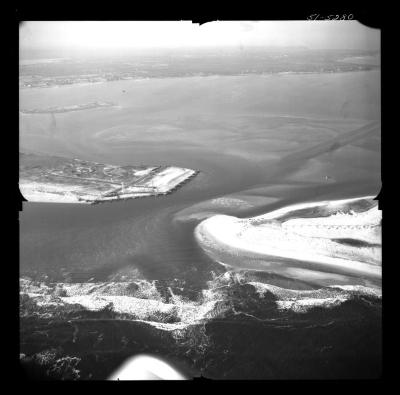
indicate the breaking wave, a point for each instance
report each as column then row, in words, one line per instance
column 228, row 296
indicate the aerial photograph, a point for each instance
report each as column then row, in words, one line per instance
column 201, row 200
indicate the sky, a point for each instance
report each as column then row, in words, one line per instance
column 115, row 35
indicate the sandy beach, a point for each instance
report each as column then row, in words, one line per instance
column 336, row 241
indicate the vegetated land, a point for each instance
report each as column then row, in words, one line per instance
column 56, row 179
column 80, row 107
column 187, row 63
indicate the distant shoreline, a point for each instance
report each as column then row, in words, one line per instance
column 359, row 68
column 78, row 107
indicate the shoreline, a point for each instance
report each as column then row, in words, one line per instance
column 141, row 301
column 317, row 252
column 211, row 76
column 63, row 194
column 76, row 181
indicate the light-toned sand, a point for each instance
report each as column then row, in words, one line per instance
column 54, row 193
column 170, row 178
column 228, row 204
column 299, row 245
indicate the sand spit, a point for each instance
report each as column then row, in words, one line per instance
column 307, row 240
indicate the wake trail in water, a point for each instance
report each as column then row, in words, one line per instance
column 292, row 162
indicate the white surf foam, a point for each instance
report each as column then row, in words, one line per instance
column 179, row 313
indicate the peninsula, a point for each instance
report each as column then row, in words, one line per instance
column 63, row 180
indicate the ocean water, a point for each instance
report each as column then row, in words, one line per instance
column 206, row 319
